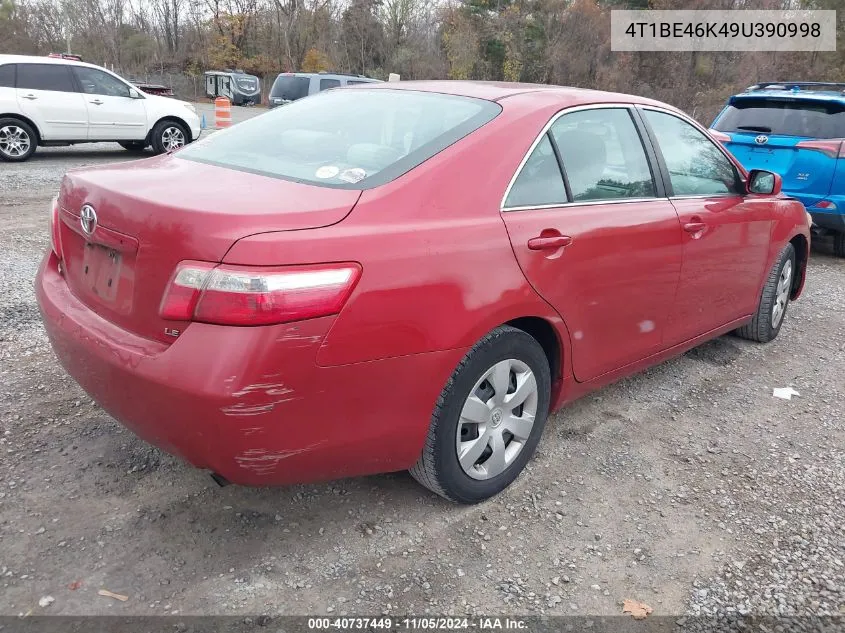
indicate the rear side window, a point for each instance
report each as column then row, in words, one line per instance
column 325, row 84
column 290, row 88
column 540, row 182
column 602, row 155
column 55, row 77
column 696, row 166
column 7, row 76
column 812, row 119
column 316, row 141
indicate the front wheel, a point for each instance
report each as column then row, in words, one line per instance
column 17, row 140
column 168, row 136
column 488, row 419
column 765, row 324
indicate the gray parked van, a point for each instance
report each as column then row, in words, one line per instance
column 292, row 86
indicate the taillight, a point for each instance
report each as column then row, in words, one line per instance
column 235, row 295
column 828, row 205
column 720, row 136
column 55, row 235
column 832, row 148
column 184, row 290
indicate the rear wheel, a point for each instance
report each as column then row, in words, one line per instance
column 134, row 146
column 17, row 140
column 168, row 136
column 839, row 244
column 488, row 419
column 766, row 323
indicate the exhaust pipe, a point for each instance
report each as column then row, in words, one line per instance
column 220, row 480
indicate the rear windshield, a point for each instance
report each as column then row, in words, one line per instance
column 351, row 139
column 290, row 88
column 784, row 117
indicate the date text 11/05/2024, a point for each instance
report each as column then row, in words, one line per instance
column 426, row 623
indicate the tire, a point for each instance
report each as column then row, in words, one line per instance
column 134, row 146
column 839, row 244
column 165, row 136
column 481, row 477
column 17, row 140
column 766, row 323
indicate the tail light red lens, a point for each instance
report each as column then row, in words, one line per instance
column 55, row 235
column 833, row 148
column 233, row 295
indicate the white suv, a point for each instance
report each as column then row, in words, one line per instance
column 54, row 101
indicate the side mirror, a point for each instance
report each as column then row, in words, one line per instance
column 764, row 182
column 134, row 94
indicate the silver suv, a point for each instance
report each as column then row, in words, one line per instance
column 292, row 86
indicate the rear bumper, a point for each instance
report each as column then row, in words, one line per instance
column 830, row 221
column 248, row 402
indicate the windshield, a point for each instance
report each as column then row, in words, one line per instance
column 290, row 88
column 353, row 139
column 812, row 119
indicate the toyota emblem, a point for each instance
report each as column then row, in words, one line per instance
column 762, row 139
column 88, row 219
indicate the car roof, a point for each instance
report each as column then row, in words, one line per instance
column 35, row 59
column 496, row 90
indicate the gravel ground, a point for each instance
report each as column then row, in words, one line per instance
column 688, row 487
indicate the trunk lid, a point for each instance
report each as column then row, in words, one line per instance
column 152, row 214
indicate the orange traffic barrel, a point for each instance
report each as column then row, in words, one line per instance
column 222, row 112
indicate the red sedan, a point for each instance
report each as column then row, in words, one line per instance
column 407, row 276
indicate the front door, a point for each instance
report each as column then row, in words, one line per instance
column 600, row 244
column 113, row 115
column 725, row 234
column 47, row 94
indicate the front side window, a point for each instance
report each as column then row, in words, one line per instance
column 55, row 77
column 603, row 156
column 316, row 141
column 696, row 166
column 325, row 84
column 539, row 182
column 96, row 82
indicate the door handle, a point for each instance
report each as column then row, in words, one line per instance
column 694, row 227
column 30, row 97
column 547, row 243
column 97, row 102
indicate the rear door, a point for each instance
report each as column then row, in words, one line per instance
column 47, row 94
column 113, row 115
column 772, row 133
column 725, row 233
column 600, row 242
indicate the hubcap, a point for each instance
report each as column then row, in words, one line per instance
column 497, row 419
column 14, row 141
column 172, row 138
column 782, row 297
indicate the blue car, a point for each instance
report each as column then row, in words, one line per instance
column 796, row 129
